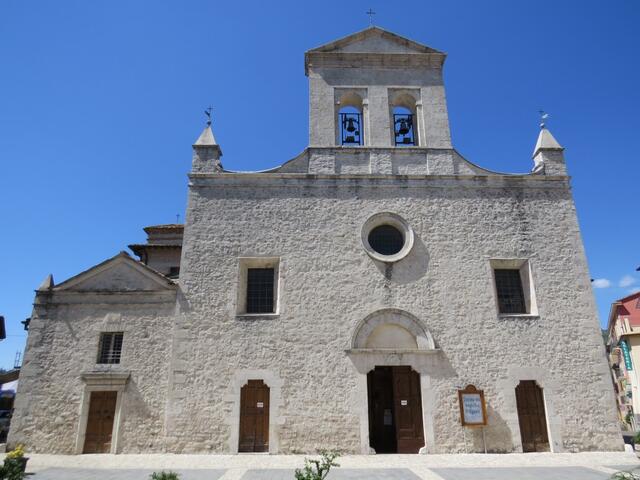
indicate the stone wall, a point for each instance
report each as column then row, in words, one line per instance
column 328, row 284
column 186, row 369
column 63, row 345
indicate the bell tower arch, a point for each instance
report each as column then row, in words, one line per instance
column 382, row 70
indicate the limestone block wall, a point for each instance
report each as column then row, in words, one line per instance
column 328, row 284
column 63, row 344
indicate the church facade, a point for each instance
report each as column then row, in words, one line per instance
column 341, row 300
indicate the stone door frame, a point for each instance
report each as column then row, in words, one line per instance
column 239, row 379
column 101, row 382
column 549, row 387
column 365, row 361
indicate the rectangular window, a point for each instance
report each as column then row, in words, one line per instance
column 110, row 347
column 509, row 290
column 260, row 290
column 258, row 285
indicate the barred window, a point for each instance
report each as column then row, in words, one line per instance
column 110, row 347
column 510, row 292
column 260, row 290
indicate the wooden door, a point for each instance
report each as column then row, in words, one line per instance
column 102, row 410
column 531, row 416
column 254, row 417
column 408, row 410
column 382, row 430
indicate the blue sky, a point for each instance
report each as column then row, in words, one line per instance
column 101, row 101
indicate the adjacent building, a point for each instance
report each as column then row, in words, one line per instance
column 339, row 300
column 623, row 347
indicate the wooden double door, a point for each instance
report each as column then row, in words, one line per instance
column 254, row 417
column 99, row 432
column 532, row 417
column 395, row 410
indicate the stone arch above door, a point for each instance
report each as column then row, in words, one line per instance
column 391, row 329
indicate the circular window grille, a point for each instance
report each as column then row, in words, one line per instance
column 386, row 240
column 387, row 237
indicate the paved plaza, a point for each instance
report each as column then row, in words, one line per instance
column 533, row 466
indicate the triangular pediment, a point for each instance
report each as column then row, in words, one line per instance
column 374, row 40
column 118, row 274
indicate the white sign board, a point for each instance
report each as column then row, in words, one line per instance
column 472, row 408
column 473, row 412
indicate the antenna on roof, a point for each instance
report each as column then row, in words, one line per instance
column 17, row 361
column 207, row 112
column 177, row 218
column 371, row 13
column 543, row 118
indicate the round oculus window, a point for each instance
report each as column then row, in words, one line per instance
column 387, row 237
column 386, row 240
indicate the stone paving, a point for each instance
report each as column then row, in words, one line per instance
column 584, row 466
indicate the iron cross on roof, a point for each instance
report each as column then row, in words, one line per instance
column 371, row 13
column 207, row 112
column 543, row 118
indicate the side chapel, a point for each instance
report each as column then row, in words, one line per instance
column 339, row 300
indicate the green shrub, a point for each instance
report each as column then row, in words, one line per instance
column 164, row 476
column 624, row 476
column 317, row 469
column 12, row 469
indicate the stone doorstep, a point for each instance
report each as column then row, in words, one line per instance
column 600, row 460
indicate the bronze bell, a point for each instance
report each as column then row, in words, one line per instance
column 350, row 126
column 404, row 127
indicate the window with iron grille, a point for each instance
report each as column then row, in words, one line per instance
column 350, row 128
column 260, row 290
column 110, row 347
column 403, row 129
column 509, row 290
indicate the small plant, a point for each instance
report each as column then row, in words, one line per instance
column 628, row 418
column 624, row 476
column 17, row 452
column 317, row 469
column 164, row 476
column 14, row 465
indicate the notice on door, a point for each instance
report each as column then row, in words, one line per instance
column 388, row 418
column 473, row 411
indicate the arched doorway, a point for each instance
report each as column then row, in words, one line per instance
column 395, row 410
column 532, row 417
column 254, row 417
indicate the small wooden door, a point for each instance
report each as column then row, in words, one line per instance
column 408, row 410
column 102, row 410
column 531, row 416
column 254, row 417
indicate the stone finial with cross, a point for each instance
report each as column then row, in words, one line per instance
column 543, row 118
